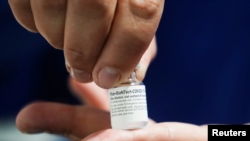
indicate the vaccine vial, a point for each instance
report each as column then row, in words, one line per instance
column 128, row 105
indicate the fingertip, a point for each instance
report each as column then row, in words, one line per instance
column 79, row 75
column 20, row 122
column 23, row 14
column 146, row 9
column 27, row 118
column 32, row 30
column 108, row 77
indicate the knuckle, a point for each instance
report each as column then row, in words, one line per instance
column 141, row 39
column 77, row 59
column 52, row 4
column 75, row 54
column 94, row 8
column 145, row 8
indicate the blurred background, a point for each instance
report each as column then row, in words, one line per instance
column 201, row 74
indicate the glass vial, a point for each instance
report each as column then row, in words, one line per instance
column 128, row 105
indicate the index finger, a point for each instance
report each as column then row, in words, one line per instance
column 90, row 94
column 133, row 28
column 62, row 119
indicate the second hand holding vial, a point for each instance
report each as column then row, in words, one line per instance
column 128, row 105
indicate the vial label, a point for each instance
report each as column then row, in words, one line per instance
column 127, row 104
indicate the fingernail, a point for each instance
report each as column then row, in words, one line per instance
column 79, row 75
column 108, row 77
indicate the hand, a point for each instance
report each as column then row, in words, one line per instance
column 103, row 40
column 92, row 121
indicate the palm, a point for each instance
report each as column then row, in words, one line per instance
column 78, row 122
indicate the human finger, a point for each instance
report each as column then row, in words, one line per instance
column 146, row 59
column 168, row 131
column 49, row 16
column 133, row 29
column 87, row 27
column 90, row 94
column 96, row 96
column 72, row 121
column 23, row 13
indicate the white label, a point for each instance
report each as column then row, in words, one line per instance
column 128, row 104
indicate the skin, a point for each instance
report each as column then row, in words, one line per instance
column 91, row 122
column 102, row 40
